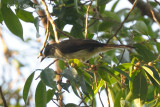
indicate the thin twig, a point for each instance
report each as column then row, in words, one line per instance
column 157, row 2
column 106, row 89
column 52, row 63
column 97, row 86
column 121, row 57
column 55, row 103
column 47, row 36
column 50, row 20
column 48, row 66
column 154, row 18
column 86, row 26
column 123, row 21
column 65, row 34
column 4, row 101
column 59, row 79
column 82, row 100
column 81, row 96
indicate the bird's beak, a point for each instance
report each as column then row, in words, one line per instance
column 43, row 58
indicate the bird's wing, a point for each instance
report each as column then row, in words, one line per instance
column 74, row 45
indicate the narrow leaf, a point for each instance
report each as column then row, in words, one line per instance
column 101, row 83
column 83, row 86
column 152, row 72
column 27, row 87
column 122, row 72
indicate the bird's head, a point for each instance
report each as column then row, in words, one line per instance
column 48, row 51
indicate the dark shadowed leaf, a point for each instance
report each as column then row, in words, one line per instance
column 47, row 75
column 122, row 72
column 50, row 94
column 83, row 86
column 65, row 86
column 144, row 52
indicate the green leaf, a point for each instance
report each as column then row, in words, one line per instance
column 153, row 73
column 1, row 18
column 77, row 62
column 145, row 53
column 65, row 86
column 122, row 72
column 118, row 98
column 103, row 72
column 25, row 15
column 141, row 28
column 41, row 95
column 61, row 64
column 77, row 31
column 102, row 2
column 76, row 5
column 101, row 83
column 11, row 21
column 158, row 47
column 139, row 87
column 50, row 94
column 86, row 75
column 47, row 75
column 70, row 74
column 27, row 87
column 110, row 21
column 114, row 6
column 151, row 103
column 90, row 90
column 36, row 24
column 73, row 85
column 83, row 86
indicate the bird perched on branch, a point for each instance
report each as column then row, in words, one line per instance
column 78, row 48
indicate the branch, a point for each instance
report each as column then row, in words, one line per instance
column 47, row 36
column 157, row 2
column 106, row 89
column 123, row 21
column 50, row 20
column 121, row 57
column 96, row 87
column 154, row 17
column 145, row 9
column 70, row 37
column 4, row 101
column 86, row 26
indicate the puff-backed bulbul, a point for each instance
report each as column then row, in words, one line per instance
column 81, row 49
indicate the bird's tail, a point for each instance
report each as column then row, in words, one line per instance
column 113, row 46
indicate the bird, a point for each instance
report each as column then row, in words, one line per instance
column 81, row 49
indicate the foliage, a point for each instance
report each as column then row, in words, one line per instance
column 131, row 78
